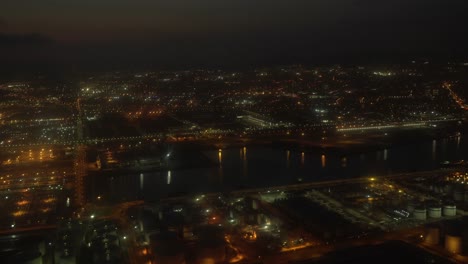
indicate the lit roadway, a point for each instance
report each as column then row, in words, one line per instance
column 28, row 230
column 198, row 133
column 410, row 236
column 407, row 235
column 455, row 97
column 321, row 184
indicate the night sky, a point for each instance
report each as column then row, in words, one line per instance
column 216, row 33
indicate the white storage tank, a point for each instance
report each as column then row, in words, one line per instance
column 450, row 210
column 435, row 212
column 420, row 213
column 410, row 206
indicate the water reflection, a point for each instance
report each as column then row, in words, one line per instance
column 169, row 177
column 344, row 162
column 220, row 157
column 235, row 171
column 220, row 161
column 141, row 181
column 244, row 162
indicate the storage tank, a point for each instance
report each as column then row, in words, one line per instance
column 453, row 243
column 435, row 211
column 410, row 206
column 432, row 235
column 450, row 210
column 419, row 213
column 254, row 204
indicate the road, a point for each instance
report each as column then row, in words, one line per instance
column 195, row 133
column 406, row 235
column 320, row 184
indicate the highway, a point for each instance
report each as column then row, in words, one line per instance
column 198, row 133
column 321, row 250
column 320, row 184
column 28, row 229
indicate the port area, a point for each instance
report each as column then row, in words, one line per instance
column 420, row 213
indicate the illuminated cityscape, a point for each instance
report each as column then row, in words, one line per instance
column 249, row 132
column 172, row 167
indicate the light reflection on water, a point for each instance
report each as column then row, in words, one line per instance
column 266, row 166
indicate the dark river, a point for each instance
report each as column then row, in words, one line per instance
column 249, row 167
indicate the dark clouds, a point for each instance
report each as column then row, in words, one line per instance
column 232, row 32
column 23, row 40
column 3, row 23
